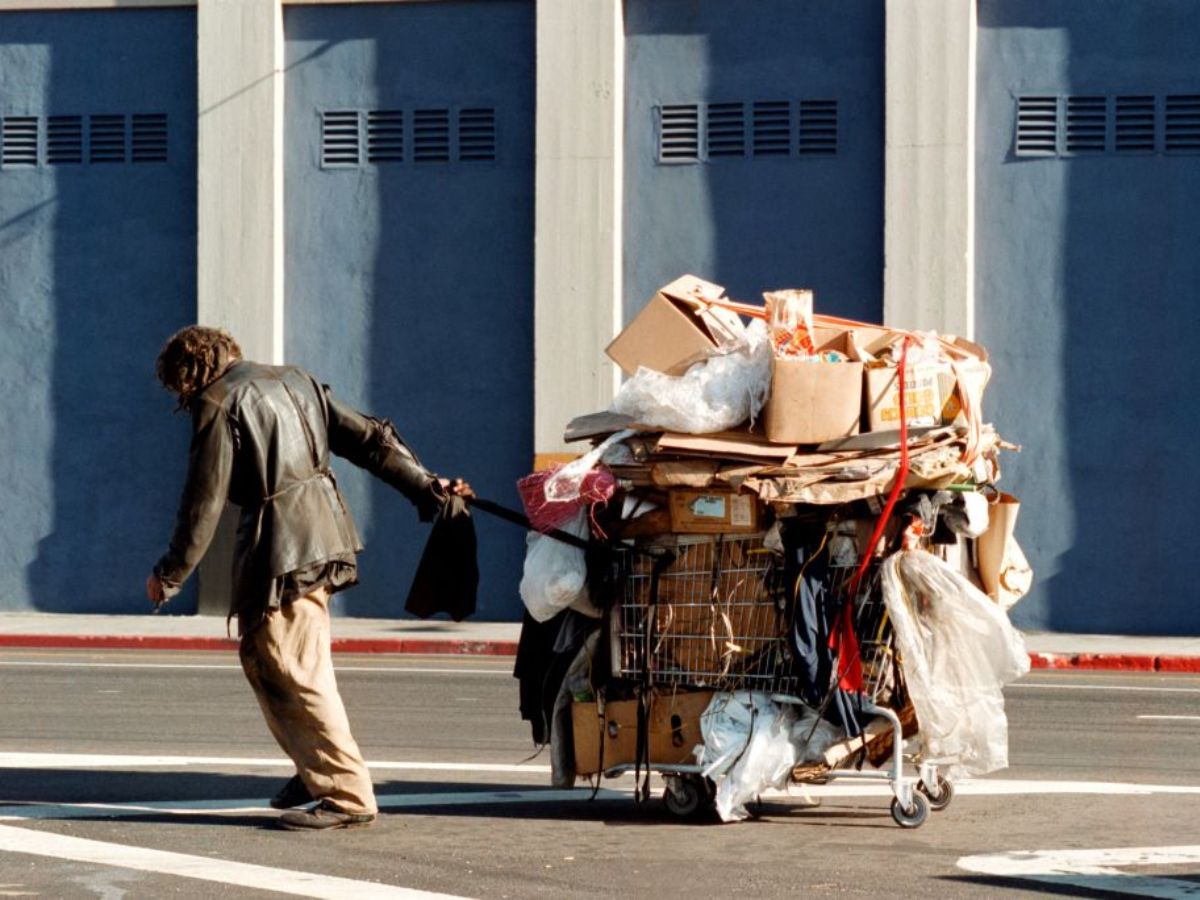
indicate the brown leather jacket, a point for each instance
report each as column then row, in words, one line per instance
column 261, row 438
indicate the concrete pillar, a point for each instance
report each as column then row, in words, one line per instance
column 929, row 194
column 240, row 202
column 579, row 195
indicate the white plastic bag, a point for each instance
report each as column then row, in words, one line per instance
column 957, row 650
column 747, row 749
column 719, row 393
column 555, row 574
column 564, row 485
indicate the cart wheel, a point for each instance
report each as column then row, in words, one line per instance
column 941, row 799
column 915, row 815
column 685, row 796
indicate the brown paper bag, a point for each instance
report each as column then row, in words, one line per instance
column 1002, row 565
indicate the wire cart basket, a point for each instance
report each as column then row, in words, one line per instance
column 712, row 612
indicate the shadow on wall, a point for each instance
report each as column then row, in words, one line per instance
column 755, row 213
column 113, row 272
column 1087, row 277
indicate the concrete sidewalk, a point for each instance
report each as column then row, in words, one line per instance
column 353, row 635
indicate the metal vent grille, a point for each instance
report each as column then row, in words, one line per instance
column 64, row 140
column 339, row 138
column 1134, row 124
column 772, row 128
column 385, row 136
column 19, row 141
column 818, row 127
column 431, row 136
column 106, row 139
column 149, row 137
column 1037, row 126
column 725, row 131
column 477, row 134
column 1087, row 124
column 1182, row 132
column 679, row 133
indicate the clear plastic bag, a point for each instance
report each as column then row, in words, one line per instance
column 719, row 393
column 957, row 650
column 555, row 574
column 747, row 749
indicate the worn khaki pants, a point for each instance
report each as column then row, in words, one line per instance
column 288, row 663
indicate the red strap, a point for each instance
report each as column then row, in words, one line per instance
column 843, row 639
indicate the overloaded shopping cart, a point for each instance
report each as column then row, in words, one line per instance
column 713, row 614
column 804, row 591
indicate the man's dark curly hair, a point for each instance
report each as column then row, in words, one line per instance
column 193, row 358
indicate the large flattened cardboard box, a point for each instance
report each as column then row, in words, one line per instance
column 814, row 401
column 673, row 730
column 676, row 329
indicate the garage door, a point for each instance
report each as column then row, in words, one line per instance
column 754, row 148
column 97, row 268
column 409, row 281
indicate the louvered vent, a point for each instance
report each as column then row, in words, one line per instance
column 679, row 133
column 1037, row 126
column 1087, row 124
column 339, row 138
column 148, row 135
column 385, row 136
column 106, row 139
column 431, row 135
column 725, row 134
column 1134, row 124
column 772, row 128
column 64, row 140
column 19, row 141
column 477, row 134
column 818, row 127
column 1182, row 123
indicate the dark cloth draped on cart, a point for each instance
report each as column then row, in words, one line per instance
column 816, row 602
column 544, row 653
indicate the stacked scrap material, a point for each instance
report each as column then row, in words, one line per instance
column 762, row 503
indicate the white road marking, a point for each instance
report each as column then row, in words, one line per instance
column 1174, row 718
column 1096, row 870
column 133, row 761
column 1150, row 689
column 417, row 670
column 182, row 865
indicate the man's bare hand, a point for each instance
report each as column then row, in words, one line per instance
column 457, row 487
column 154, row 592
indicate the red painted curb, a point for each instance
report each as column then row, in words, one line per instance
column 411, row 646
column 1109, row 662
column 1115, row 662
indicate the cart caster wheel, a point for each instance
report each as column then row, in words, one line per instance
column 685, row 797
column 915, row 815
column 944, row 793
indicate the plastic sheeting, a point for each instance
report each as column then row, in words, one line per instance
column 747, row 748
column 717, row 394
column 957, row 650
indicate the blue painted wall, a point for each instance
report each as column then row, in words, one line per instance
column 409, row 287
column 97, row 268
column 1087, row 276
column 757, row 224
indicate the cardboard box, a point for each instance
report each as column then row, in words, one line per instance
column 673, row 730
column 675, row 329
column 923, row 397
column 711, row 511
column 814, row 401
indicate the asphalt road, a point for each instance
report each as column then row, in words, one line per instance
column 144, row 775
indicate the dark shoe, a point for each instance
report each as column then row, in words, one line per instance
column 322, row 817
column 294, row 793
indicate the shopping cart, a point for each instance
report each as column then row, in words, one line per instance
column 712, row 612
